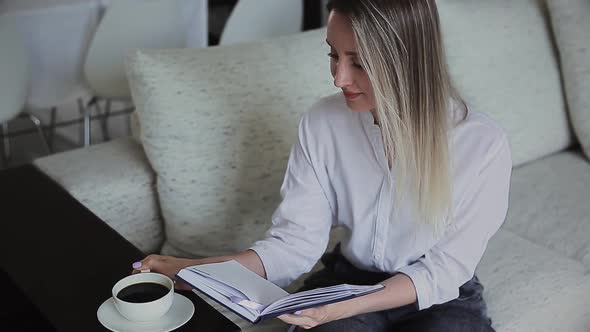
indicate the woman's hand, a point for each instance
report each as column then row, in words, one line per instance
column 310, row 318
column 166, row 265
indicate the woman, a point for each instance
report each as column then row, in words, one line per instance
column 419, row 182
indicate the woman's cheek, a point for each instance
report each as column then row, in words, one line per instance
column 332, row 68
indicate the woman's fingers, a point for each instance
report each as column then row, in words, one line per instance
column 308, row 318
column 305, row 319
column 151, row 262
column 299, row 320
column 166, row 265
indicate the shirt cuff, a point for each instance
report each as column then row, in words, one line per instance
column 416, row 274
column 272, row 266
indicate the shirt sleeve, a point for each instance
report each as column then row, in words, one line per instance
column 438, row 274
column 301, row 224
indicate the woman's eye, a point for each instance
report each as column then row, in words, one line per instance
column 356, row 65
column 333, row 56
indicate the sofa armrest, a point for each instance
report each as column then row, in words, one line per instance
column 115, row 181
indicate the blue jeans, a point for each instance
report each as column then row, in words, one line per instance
column 467, row 313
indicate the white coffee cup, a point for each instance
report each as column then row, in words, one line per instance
column 144, row 311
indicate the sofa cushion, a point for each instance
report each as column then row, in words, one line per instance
column 530, row 288
column 501, row 57
column 217, row 125
column 115, row 181
column 549, row 204
column 571, row 24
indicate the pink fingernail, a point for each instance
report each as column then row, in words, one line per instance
column 136, row 265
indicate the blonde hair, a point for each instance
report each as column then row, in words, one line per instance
column 400, row 46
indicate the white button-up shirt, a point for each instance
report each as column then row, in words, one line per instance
column 337, row 176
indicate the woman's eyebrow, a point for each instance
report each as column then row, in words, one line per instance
column 351, row 53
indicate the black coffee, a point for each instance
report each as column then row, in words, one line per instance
column 142, row 292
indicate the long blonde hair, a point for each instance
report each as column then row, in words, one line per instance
column 400, row 46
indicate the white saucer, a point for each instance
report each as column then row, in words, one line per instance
column 181, row 312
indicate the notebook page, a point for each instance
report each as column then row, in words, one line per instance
column 217, row 296
column 256, row 288
column 313, row 293
column 217, row 285
column 307, row 299
column 320, row 295
column 309, row 303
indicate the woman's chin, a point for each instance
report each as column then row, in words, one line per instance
column 358, row 106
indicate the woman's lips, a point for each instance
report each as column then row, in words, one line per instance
column 351, row 96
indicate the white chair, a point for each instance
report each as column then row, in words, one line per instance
column 56, row 35
column 260, row 19
column 14, row 76
column 129, row 25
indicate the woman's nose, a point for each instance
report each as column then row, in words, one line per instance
column 342, row 76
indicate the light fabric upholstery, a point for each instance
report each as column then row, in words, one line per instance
column 530, row 288
column 571, row 23
column 116, row 182
column 501, row 57
column 233, row 116
column 549, row 204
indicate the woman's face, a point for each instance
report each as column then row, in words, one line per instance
column 345, row 64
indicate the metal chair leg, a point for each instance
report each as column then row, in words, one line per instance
column 85, row 112
column 35, row 120
column 128, row 125
column 6, row 142
column 51, row 129
column 105, row 120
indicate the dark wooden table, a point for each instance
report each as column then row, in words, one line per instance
column 58, row 261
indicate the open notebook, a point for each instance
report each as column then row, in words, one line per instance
column 255, row 298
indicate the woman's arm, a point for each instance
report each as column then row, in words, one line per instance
column 248, row 258
column 171, row 265
column 399, row 291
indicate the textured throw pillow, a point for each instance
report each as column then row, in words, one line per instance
column 571, row 24
column 501, row 58
column 217, row 125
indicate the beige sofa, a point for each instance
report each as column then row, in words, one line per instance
column 202, row 177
